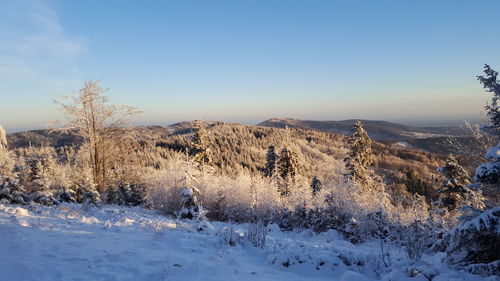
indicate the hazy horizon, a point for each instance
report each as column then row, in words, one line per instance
column 413, row 63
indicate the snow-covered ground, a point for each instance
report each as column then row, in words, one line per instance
column 68, row 242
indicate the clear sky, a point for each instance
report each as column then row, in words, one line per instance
column 247, row 61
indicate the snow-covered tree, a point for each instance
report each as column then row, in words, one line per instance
column 36, row 175
column 271, row 157
column 127, row 194
column 489, row 173
column 360, row 154
column 491, row 83
column 457, row 191
column 190, row 207
column 3, row 139
column 475, row 243
column 12, row 192
column 41, row 178
column 6, row 163
column 288, row 168
column 98, row 123
column 200, row 151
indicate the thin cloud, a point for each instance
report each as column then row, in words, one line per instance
column 32, row 38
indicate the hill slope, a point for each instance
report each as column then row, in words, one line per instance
column 236, row 148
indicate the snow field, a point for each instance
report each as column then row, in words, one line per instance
column 68, row 242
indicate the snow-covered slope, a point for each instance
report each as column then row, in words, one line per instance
column 68, row 242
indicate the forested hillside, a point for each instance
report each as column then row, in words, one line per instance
column 235, row 148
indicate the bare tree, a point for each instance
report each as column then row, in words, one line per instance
column 99, row 123
column 474, row 145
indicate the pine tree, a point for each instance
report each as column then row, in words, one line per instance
column 288, row 169
column 271, row 157
column 492, row 84
column 190, row 207
column 12, row 192
column 316, row 185
column 360, row 154
column 454, row 188
column 200, row 151
column 489, row 173
column 36, row 174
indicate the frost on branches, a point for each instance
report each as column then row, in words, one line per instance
column 288, row 168
column 3, row 139
column 455, row 185
column 476, row 243
column 489, row 173
column 360, row 155
column 190, row 207
column 492, row 85
column 271, row 158
column 11, row 192
column 201, row 153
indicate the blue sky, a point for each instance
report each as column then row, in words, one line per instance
column 247, row 61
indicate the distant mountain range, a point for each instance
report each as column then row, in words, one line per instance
column 430, row 139
column 377, row 130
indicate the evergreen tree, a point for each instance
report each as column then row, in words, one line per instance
column 492, row 84
column 12, row 192
column 454, row 188
column 190, row 207
column 271, row 157
column 86, row 193
column 200, row 150
column 316, row 185
column 288, row 169
column 127, row 194
column 360, row 154
column 36, row 175
column 489, row 173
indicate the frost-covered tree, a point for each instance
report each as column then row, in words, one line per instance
column 12, row 192
column 288, row 168
column 90, row 116
column 454, row 188
column 475, row 144
column 3, row 139
column 190, row 207
column 475, row 244
column 360, row 154
column 200, row 150
column 36, row 176
column 6, row 163
column 491, row 83
column 489, row 173
column 127, row 194
column 271, row 157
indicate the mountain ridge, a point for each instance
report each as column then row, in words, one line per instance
column 379, row 130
